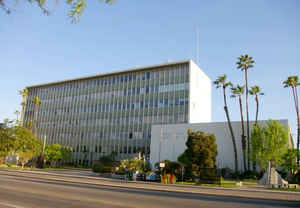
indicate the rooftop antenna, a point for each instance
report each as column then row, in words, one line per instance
column 197, row 46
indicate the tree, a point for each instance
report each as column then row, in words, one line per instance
column 27, row 146
column 244, row 63
column 75, row 13
column 290, row 161
column 37, row 102
column 66, row 154
column 24, row 94
column 17, row 115
column 256, row 91
column 135, row 164
column 238, row 91
column 54, row 154
column 7, row 143
column 293, row 83
column 222, row 82
column 201, row 152
column 269, row 143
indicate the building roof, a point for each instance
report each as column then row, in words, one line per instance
column 111, row 73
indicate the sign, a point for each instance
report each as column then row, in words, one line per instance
column 162, row 165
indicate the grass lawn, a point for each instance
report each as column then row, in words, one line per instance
column 285, row 189
column 17, row 167
column 249, row 183
column 224, row 184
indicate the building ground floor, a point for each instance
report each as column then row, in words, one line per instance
column 168, row 141
column 161, row 142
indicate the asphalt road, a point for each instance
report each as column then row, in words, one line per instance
column 21, row 192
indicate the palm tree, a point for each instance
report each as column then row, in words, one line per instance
column 24, row 94
column 221, row 82
column 29, row 124
column 17, row 114
column 244, row 63
column 36, row 102
column 238, row 91
column 256, row 91
column 293, row 82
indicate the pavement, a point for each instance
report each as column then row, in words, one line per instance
column 90, row 178
column 39, row 190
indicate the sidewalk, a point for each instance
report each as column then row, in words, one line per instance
column 242, row 192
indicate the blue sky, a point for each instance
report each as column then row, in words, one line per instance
column 36, row 48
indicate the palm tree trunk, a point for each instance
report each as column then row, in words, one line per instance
column 23, row 110
column 247, row 110
column 298, row 121
column 256, row 119
column 36, row 108
column 236, row 166
column 243, row 133
column 257, row 106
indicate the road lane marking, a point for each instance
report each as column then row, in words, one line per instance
column 10, row 205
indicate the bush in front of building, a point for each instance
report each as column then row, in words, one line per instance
column 120, row 171
column 134, row 165
column 57, row 155
column 201, row 153
column 105, row 164
column 97, row 167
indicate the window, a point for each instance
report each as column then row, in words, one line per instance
column 147, row 75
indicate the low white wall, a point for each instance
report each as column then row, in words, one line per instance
column 168, row 141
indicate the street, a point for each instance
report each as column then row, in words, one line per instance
column 21, row 192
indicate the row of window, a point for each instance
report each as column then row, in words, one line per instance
column 177, row 71
column 100, row 108
column 178, row 118
column 122, row 149
column 106, row 134
column 119, row 93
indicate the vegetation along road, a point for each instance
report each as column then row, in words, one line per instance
column 22, row 192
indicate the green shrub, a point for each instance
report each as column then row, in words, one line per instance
column 250, row 175
column 121, row 171
column 97, row 167
column 78, row 166
column 107, row 169
column 106, row 160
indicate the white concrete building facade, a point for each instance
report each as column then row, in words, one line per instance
column 168, row 141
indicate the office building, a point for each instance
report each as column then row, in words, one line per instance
column 114, row 112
